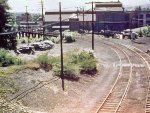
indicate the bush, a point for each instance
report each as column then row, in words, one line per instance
column 69, row 39
column 69, row 36
column 85, row 60
column 46, row 62
column 7, row 59
column 70, row 72
column 55, row 40
column 75, row 62
column 23, row 41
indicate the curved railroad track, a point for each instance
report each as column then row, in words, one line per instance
column 115, row 97
column 146, row 59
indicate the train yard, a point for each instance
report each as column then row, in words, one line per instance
column 121, row 86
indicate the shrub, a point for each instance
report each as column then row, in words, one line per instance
column 55, row 40
column 23, row 41
column 70, row 72
column 69, row 36
column 140, row 34
column 85, row 60
column 7, row 59
column 75, row 62
column 69, row 39
column 46, row 62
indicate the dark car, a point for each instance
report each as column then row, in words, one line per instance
column 38, row 46
column 107, row 33
column 26, row 50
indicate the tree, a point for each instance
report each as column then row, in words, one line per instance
column 138, row 8
column 7, row 40
column 3, row 19
column 3, row 12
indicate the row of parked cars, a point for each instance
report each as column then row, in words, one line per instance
column 37, row 46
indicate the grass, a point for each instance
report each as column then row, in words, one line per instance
column 7, row 59
column 10, row 70
column 24, row 40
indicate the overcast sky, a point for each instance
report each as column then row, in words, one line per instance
column 34, row 5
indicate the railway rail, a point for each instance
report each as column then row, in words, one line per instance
column 109, row 106
column 113, row 100
column 146, row 59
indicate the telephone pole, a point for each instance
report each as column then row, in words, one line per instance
column 83, row 18
column 27, row 19
column 42, row 7
column 92, row 26
column 92, row 23
column 77, row 12
column 61, row 49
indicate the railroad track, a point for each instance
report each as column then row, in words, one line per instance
column 115, row 97
column 146, row 59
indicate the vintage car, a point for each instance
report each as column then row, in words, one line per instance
column 49, row 42
column 38, row 46
column 41, row 46
column 26, row 50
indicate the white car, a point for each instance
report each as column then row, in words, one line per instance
column 49, row 42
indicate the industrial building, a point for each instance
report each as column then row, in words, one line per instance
column 107, row 16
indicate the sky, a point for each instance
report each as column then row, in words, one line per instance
column 35, row 7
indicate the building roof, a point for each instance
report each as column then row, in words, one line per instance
column 66, row 17
column 109, row 9
column 73, row 16
column 108, row 4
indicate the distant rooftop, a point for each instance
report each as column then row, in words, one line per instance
column 108, row 4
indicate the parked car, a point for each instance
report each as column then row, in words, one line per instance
column 49, row 42
column 127, row 33
column 107, row 33
column 26, row 50
column 41, row 46
column 38, row 46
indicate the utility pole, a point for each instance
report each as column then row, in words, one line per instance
column 92, row 23
column 27, row 19
column 83, row 18
column 92, row 26
column 77, row 12
column 61, row 49
column 43, row 19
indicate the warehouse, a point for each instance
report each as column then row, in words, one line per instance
column 107, row 16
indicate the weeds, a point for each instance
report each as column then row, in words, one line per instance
column 6, row 59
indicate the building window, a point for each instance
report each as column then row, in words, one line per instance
column 141, row 16
column 147, row 15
